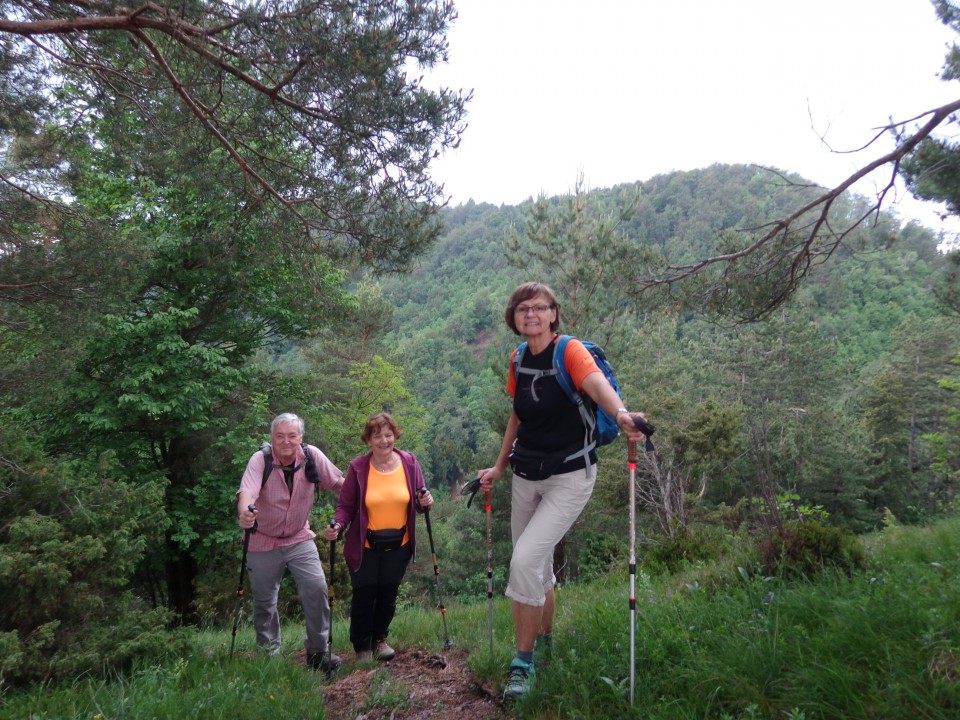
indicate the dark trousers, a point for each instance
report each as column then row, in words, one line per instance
column 375, row 588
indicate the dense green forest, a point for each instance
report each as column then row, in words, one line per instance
column 154, row 315
column 814, row 412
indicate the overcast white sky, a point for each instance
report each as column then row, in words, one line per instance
column 622, row 90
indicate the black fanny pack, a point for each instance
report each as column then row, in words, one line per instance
column 385, row 540
column 534, row 465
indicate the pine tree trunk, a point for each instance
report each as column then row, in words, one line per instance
column 181, row 572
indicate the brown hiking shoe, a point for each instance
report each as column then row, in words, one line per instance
column 383, row 651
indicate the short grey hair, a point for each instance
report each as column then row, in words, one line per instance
column 287, row 418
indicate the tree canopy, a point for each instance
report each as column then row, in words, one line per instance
column 183, row 186
column 318, row 105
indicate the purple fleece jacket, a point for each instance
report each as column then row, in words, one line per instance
column 352, row 511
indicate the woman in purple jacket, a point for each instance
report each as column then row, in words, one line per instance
column 376, row 513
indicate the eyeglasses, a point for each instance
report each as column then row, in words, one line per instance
column 524, row 309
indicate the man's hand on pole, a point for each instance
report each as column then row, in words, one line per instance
column 247, row 518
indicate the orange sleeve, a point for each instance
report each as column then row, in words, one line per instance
column 512, row 376
column 580, row 362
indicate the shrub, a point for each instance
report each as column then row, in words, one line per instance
column 598, row 553
column 71, row 535
column 686, row 546
column 809, row 547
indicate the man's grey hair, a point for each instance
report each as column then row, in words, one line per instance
column 287, row 418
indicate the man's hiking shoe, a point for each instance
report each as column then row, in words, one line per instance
column 519, row 681
column 383, row 651
column 323, row 661
column 364, row 656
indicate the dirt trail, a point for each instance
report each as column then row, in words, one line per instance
column 415, row 685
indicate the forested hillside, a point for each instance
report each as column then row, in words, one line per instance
column 832, row 409
column 843, row 331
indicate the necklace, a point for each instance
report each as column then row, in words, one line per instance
column 386, row 467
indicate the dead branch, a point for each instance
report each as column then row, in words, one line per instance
column 806, row 236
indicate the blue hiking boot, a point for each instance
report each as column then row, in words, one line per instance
column 519, row 680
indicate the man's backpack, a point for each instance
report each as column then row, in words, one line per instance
column 600, row 428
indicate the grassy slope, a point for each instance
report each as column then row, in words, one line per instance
column 883, row 644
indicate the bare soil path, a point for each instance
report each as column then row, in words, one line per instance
column 415, row 685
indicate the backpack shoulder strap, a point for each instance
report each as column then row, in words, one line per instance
column 310, row 466
column 566, row 382
column 560, row 365
column 518, row 358
column 267, row 451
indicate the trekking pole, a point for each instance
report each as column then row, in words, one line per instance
column 333, row 560
column 641, row 424
column 436, row 574
column 487, row 500
column 243, row 566
column 632, row 466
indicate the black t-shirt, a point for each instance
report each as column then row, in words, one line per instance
column 550, row 423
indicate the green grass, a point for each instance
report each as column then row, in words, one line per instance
column 884, row 643
column 201, row 686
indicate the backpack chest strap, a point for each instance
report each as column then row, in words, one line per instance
column 537, row 374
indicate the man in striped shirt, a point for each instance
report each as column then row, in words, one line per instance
column 282, row 537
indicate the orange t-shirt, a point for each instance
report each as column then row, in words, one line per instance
column 387, row 500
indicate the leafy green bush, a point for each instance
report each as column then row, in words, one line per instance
column 71, row 536
column 686, row 546
column 599, row 552
column 810, row 546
